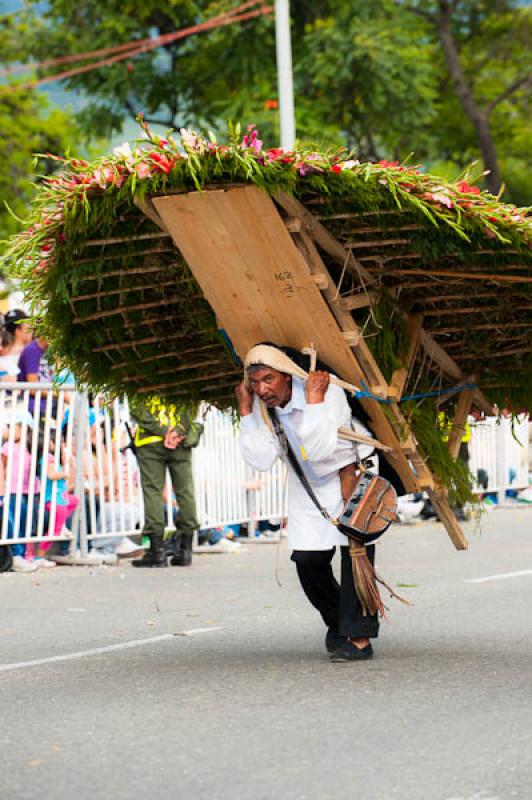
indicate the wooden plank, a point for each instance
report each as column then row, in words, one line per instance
column 463, row 407
column 400, row 375
column 446, row 515
column 468, row 276
column 250, row 271
column 260, row 287
column 360, row 300
column 376, row 243
column 163, row 301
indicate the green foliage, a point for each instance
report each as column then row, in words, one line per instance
column 452, row 474
column 28, row 125
column 372, row 75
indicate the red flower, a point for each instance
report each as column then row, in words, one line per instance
column 466, row 188
column 270, row 105
column 275, row 152
column 387, row 163
column 164, row 164
column 336, row 168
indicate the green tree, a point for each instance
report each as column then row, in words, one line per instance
column 485, row 93
column 444, row 78
column 29, row 125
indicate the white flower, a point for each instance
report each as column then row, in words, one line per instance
column 189, row 138
column 123, row 151
column 349, row 164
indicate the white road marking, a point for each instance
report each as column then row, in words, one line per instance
column 36, row 662
column 500, row 577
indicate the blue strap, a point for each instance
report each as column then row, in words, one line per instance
column 419, row 396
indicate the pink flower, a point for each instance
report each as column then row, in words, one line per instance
column 440, row 197
column 251, row 139
column 103, row 176
column 143, row 170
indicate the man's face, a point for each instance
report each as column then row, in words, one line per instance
column 274, row 388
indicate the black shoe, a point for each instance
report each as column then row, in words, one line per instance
column 148, row 560
column 350, row 652
column 155, row 556
column 333, row 640
column 183, row 556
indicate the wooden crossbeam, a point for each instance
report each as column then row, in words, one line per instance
column 360, row 300
column 463, row 407
column 124, row 239
column 468, row 276
column 163, row 301
column 400, row 375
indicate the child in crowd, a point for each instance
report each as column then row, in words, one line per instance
column 15, row 466
column 55, row 477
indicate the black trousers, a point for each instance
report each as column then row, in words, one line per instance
column 338, row 604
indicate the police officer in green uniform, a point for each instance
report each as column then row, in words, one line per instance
column 164, row 439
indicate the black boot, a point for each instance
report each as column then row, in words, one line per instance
column 172, row 545
column 155, row 556
column 183, row 556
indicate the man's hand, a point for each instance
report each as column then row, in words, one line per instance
column 245, row 399
column 172, row 440
column 316, row 386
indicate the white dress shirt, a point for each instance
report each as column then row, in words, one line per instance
column 316, row 428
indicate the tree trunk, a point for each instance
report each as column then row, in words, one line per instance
column 477, row 116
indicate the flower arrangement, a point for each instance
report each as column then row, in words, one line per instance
column 92, row 200
column 158, row 163
column 73, row 285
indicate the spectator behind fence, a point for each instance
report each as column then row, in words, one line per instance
column 34, row 368
column 15, row 453
column 116, row 509
column 55, row 475
column 15, row 335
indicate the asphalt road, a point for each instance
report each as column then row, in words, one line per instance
column 212, row 683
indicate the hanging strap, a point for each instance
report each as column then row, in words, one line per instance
column 296, row 466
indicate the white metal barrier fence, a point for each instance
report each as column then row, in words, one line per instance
column 46, row 431
column 499, row 454
column 49, row 431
